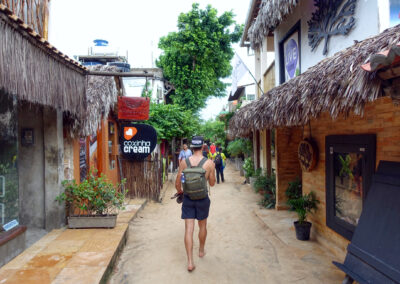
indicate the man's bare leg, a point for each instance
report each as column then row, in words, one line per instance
column 202, row 236
column 189, row 228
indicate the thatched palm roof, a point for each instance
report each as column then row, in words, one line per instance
column 336, row 85
column 101, row 96
column 270, row 15
column 35, row 71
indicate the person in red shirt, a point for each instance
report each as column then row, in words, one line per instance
column 212, row 148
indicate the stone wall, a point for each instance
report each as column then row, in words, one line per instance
column 381, row 118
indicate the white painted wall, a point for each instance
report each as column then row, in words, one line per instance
column 367, row 25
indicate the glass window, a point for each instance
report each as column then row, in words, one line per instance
column 9, row 195
column 348, row 169
column 350, row 164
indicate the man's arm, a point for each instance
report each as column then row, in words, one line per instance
column 211, row 176
column 178, row 183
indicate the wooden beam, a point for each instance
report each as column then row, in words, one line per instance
column 121, row 74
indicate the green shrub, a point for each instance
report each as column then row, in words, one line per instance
column 248, row 167
column 304, row 205
column 268, row 185
column 269, row 199
column 294, row 190
column 93, row 196
column 240, row 147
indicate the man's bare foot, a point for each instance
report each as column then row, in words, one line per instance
column 191, row 268
column 202, row 253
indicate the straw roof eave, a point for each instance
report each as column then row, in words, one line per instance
column 101, row 97
column 337, row 85
column 270, row 15
column 36, row 72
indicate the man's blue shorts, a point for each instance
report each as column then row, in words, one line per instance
column 195, row 209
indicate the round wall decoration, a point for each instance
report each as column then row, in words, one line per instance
column 308, row 155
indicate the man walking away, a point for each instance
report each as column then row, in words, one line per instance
column 193, row 175
column 185, row 153
column 219, row 160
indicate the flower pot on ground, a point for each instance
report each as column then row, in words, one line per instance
column 94, row 203
column 303, row 206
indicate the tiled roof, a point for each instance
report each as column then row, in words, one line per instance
column 383, row 59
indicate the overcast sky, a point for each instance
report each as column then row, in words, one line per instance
column 132, row 27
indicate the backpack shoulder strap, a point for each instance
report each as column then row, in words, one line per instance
column 188, row 163
column 202, row 162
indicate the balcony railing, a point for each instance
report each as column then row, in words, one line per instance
column 34, row 13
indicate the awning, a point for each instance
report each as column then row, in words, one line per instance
column 239, row 92
column 336, row 85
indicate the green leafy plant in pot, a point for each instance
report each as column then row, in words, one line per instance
column 95, row 196
column 306, row 204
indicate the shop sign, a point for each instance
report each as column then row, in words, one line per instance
column 291, row 48
column 133, row 108
column 82, row 159
column 10, row 225
column 290, row 54
column 137, row 141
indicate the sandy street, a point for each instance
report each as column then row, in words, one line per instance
column 239, row 247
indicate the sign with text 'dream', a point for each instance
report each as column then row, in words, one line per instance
column 137, row 141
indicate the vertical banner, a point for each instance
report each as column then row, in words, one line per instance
column 291, row 53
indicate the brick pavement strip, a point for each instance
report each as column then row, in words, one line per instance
column 72, row 255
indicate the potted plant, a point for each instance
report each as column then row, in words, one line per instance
column 93, row 203
column 304, row 205
column 293, row 191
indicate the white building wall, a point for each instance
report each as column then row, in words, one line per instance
column 366, row 25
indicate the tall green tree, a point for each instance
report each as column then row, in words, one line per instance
column 213, row 130
column 197, row 56
column 172, row 121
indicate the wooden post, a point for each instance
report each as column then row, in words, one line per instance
column 173, row 154
column 257, row 149
column 268, row 151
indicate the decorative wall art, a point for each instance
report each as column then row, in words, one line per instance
column 290, row 51
column 307, row 154
column 332, row 17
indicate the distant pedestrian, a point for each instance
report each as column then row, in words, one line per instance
column 219, row 160
column 212, row 148
column 191, row 181
column 185, row 153
column 205, row 151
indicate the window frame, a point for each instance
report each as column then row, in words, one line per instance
column 364, row 144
